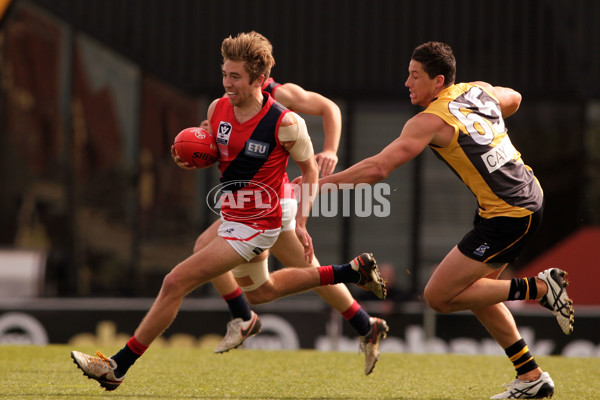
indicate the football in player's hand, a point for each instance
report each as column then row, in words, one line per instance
column 197, row 147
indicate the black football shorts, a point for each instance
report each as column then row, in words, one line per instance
column 499, row 240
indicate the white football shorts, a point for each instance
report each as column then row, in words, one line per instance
column 246, row 241
column 289, row 209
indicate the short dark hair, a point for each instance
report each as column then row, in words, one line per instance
column 437, row 59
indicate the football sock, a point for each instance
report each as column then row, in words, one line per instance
column 238, row 305
column 127, row 356
column 521, row 358
column 522, row 289
column 358, row 318
column 333, row 274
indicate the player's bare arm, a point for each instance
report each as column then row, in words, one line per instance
column 509, row 99
column 297, row 99
column 418, row 132
column 294, row 138
column 307, row 194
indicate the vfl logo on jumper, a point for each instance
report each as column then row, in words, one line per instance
column 480, row 251
column 256, row 149
column 242, row 200
column 223, row 133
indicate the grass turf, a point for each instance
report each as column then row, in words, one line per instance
column 30, row 372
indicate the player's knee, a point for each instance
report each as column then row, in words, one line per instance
column 440, row 307
column 169, row 284
column 260, row 296
column 252, row 297
column 173, row 285
column 436, row 302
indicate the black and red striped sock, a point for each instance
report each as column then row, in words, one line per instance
column 358, row 318
column 128, row 355
column 238, row 305
column 334, row 274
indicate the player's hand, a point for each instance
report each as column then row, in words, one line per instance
column 296, row 183
column 306, row 240
column 204, row 124
column 179, row 161
column 326, row 161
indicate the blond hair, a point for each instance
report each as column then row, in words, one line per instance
column 253, row 49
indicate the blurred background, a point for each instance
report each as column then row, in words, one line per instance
column 94, row 92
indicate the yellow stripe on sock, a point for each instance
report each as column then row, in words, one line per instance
column 519, row 354
column 527, row 292
column 523, row 363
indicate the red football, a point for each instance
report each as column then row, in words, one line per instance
column 197, row 147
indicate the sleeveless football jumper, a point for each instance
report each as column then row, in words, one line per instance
column 252, row 163
column 482, row 155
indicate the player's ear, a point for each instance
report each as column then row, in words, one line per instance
column 439, row 80
column 261, row 80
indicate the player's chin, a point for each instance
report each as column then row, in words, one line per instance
column 233, row 100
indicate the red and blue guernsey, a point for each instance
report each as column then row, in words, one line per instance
column 270, row 86
column 252, row 163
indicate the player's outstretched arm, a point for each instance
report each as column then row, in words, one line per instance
column 417, row 133
column 300, row 100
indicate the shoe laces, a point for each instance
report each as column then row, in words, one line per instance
column 101, row 359
column 234, row 324
column 510, row 385
column 514, row 383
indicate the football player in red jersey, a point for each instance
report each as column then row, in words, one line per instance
column 256, row 135
column 288, row 249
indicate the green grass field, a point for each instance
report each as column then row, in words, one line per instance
column 30, row 372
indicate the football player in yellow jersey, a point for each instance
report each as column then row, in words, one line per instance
column 464, row 125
